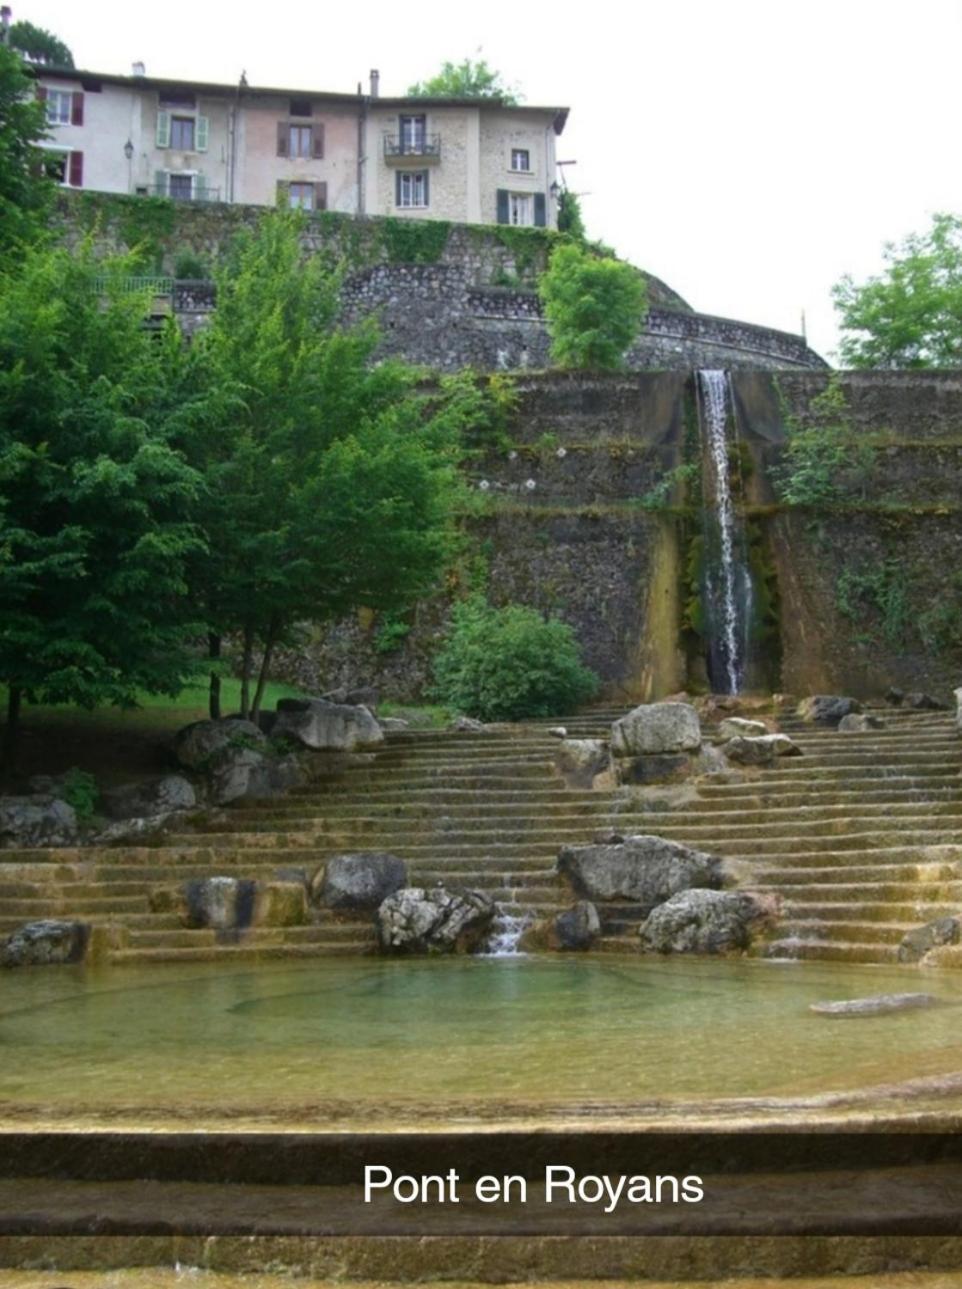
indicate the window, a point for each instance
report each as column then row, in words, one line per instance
column 181, row 187
column 59, row 103
column 413, row 134
column 521, row 159
column 412, row 189
column 300, row 107
column 182, row 133
column 520, row 208
column 66, row 168
column 300, row 196
column 300, row 141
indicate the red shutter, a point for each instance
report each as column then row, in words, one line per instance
column 283, row 138
column 317, row 142
column 75, row 176
column 42, row 93
column 77, row 108
column 320, row 196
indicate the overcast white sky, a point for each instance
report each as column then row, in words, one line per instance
column 748, row 152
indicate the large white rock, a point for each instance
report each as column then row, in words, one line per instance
column 327, row 727
column 738, row 727
column 656, row 727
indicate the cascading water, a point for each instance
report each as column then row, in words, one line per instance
column 727, row 579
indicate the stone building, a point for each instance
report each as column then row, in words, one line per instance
column 464, row 160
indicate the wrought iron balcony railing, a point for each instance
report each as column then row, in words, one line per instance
column 424, row 147
column 195, row 193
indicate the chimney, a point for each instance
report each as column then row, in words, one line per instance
column 375, row 82
column 139, row 69
column 5, row 16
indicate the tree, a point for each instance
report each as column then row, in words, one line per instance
column 330, row 481
column 510, row 663
column 910, row 315
column 594, row 307
column 95, row 528
column 25, row 191
column 467, row 79
column 570, row 219
column 39, row 46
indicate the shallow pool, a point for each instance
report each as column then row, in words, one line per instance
column 370, row 1039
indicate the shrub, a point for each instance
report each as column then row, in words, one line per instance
column 594, row 307
column 79, row 790
column 189, row 266
column 510, row 663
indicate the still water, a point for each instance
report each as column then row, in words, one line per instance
column 427, row 1038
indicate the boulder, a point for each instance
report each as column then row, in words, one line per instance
column 654, row 728
column 244, row 774
column 642, row 869
column 201, row 745
column 363, row 696
column 575, row 929
column 738, row 727
column 877, row 1005
column 30, row 822
column 415, row 920
column 760, row 750
column 159, row 796
column 827, row 709
column 894, row 696
column 393, row 724
column 706, row 921
column 358, row 882
column 558, row 731
column 917, row 943
column 663, row 768
column 581, row 760
column 140, row 830
column 45, row 943
column 467, row 725
column 327, row 727
column 860, row 723
column 923, row 702
column 221, row 903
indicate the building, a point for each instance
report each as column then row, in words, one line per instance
column 464, row 160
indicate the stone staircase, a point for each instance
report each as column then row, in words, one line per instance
column 861, row 838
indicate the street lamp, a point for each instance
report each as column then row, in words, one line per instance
column 129, row 150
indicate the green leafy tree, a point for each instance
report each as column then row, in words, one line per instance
column 471, row 78
column 95, row 528
column 570, row 218
column 510, row 663
column 39, row 46
column 910, row 315
column 825, row 460
column 330, row 479
column 594, row 307
column 25, row 192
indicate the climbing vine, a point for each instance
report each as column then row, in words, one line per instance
column 415, row 241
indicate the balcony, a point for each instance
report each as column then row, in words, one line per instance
column 181, row 192
column 424, row 149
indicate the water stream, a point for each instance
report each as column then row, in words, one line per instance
column 727, row 581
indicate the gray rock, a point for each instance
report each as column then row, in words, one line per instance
column 924, row 702
column 663, row 768
column 656, row 728
column 705, row 921
column 827, row 709
column 221, row 903
column 140, row 829
column 860, row 723
column 361, row 881
column 578, row 927
column 917, row 943
column 894, row 696
column 580, row 760
column 738, row 727
column 29, row 822
column 158, row 796
column 338, row 695
column 877, row 1005
column 45, row 943
column 760, row 750
column 327, row 727
column 557, row 731
column 393, row 724
column 415, row 920
column 201, row 745
column 643, row 869
column 243, row 774
column 467, row 725
column 364, row 696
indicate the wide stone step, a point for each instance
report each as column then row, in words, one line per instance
column 870, row 892
column 803, row 950
column 859, row 932
column 247, row 952
column 912, row 913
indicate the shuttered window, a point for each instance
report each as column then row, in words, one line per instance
column 75, row 173
column 300, row 141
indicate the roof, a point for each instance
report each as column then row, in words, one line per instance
column 559, row 115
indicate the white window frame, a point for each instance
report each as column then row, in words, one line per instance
column 182, row 174
column 299, row 205
column 413, row 184
column 65, row 154
column 413, row 133
column 521, row 152
column 521, row 209
column 64, row 101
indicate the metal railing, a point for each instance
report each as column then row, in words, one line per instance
column 196, row 194
column 426, row 145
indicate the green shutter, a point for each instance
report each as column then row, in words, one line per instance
column 539, row 210
column 163, row 129
column 160, row 183
column 427, row 187
column 203, row 134
column 503, row 217
column 200, row 188
column 397, row 188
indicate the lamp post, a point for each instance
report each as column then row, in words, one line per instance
column 129, row 154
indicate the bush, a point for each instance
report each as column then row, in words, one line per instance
column 594, row 307
column 510, row 663
column 79, row 790
column 189, row 267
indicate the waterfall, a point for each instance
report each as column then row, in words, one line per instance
column 727, row 581
column 506, row 933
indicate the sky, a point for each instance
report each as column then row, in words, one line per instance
column 747, row 152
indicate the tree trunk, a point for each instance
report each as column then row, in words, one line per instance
column 213, row 653
column 11, row 731
column 246, row 668
column 265, row 670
